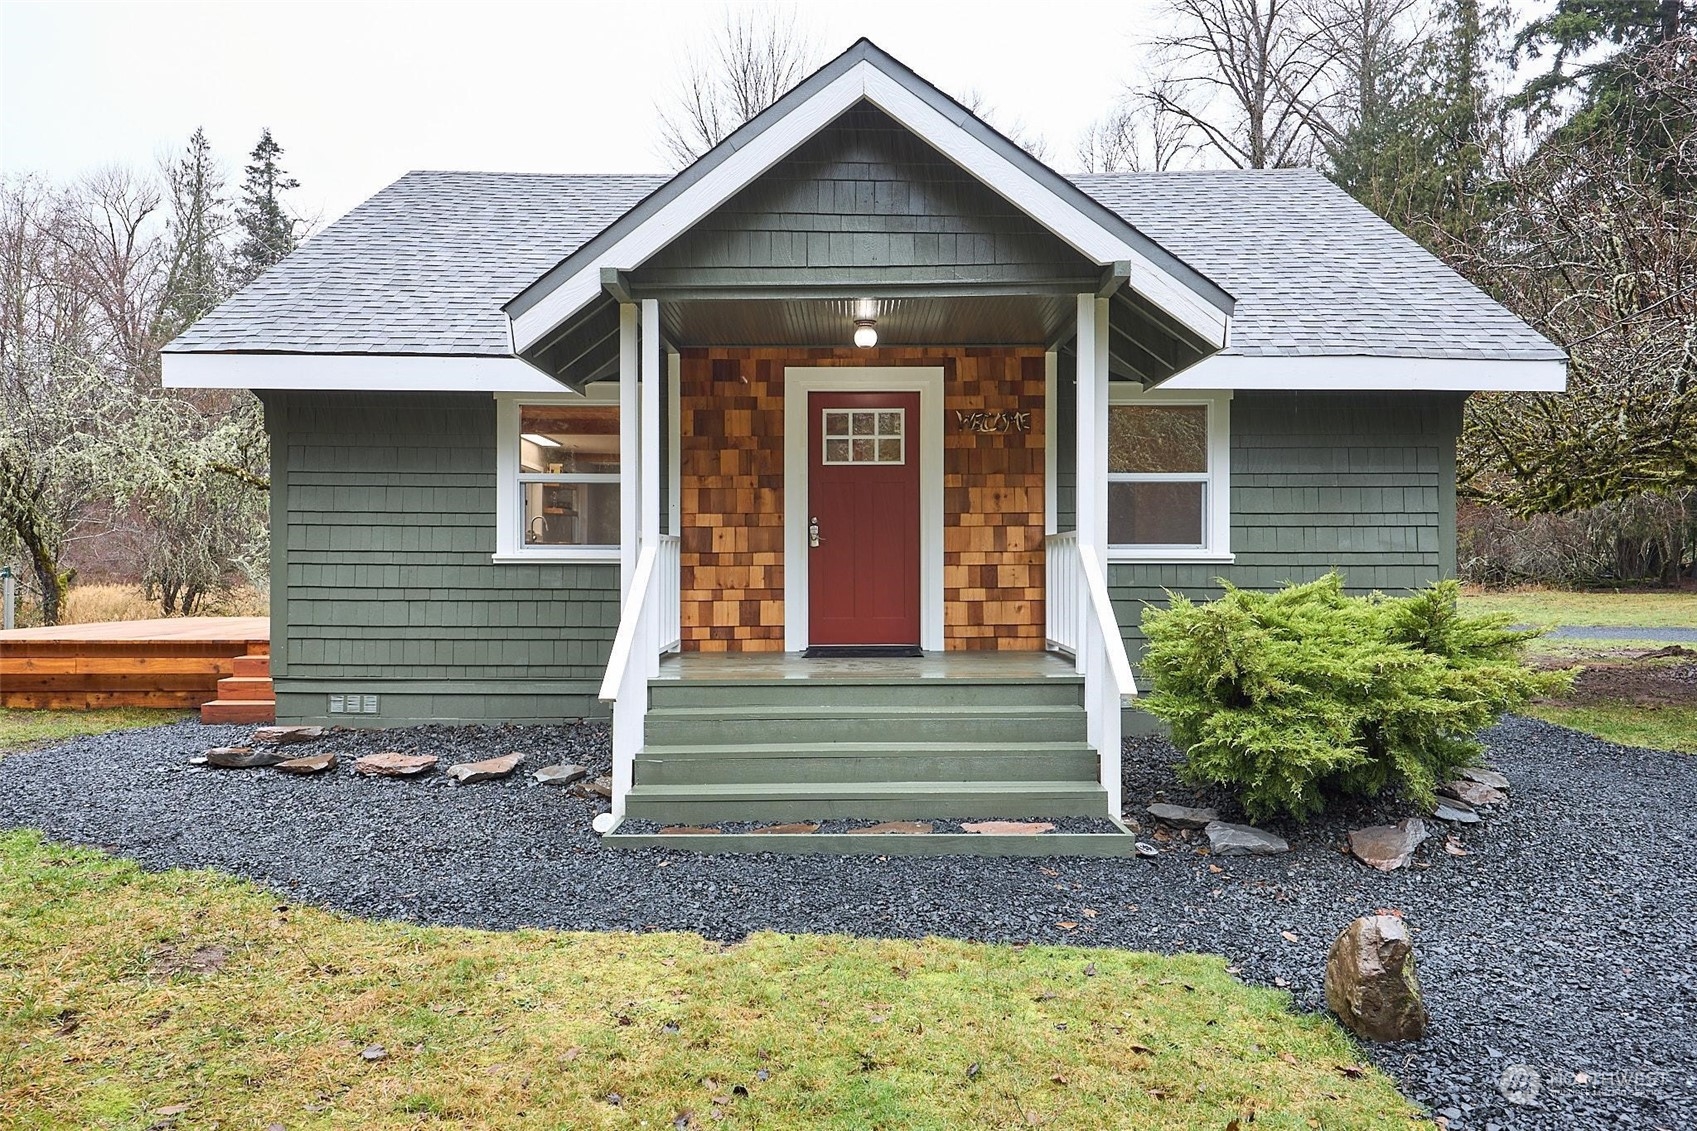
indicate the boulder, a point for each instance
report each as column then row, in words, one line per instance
column 1226, row 839
column 1182, row 816
column 490, row 769
column 242, row 757
column 564, row 774
column 1008, row 828
column 1472, row 792
column 311, row 764
column 391, row 764
column 283, row 736
column 1388, row 847
column 1486, row 777
column 1456, row 812
column 1370, row 982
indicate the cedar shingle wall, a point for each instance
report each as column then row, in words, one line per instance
column 732, row 481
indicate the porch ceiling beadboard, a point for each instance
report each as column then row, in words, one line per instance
column 732, row 494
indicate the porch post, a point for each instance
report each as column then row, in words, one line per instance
column 1051, row 430
column 651, row 439
column 1101, row 696
column 629, row 461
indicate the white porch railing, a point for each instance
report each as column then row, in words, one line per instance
column 648, row 627
column 1081, row 622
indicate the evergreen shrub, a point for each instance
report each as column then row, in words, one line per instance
column 1293, row 697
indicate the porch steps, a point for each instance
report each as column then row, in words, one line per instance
column 850, row 844
column 863, row 746
column 246, row 695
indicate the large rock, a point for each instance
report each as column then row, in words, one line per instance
column 1388, row 847
column 391, row 764
column 490, row 769
column 242, row 757
column 1474, row 793
column 564, row 774
column 1370, row 982
column 1242, row 840
column 283, row 736
column 1182, row 816
column 310, row 764
column 1455, row 812
column 1485, row 777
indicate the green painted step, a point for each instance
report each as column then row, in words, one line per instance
column 1060, row 691
column 847, row 844
column 792, row 801
column 761, row 725
column 866, row 762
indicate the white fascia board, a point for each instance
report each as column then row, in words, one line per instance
column 389, row 373
column 864, row 80
column 1368, row 374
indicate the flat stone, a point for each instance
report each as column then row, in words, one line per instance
column 311, row 764
column 689, row 830
column 242, row 757
column 1457, row 812
column 1472, row 792
column 1370, row 982
column 601, row 787
column 1486, row 777
column 391, row 764
column 1225, row 839
column 1182, row 816
column 283, row 736
column 910, row 828
column 1008, row 828
column 795, row 828
column 1388, row 847
column 563, row 774
column 490, row 769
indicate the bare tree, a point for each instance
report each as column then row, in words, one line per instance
column 1137, row 135
column 1014, row 129
column 755, row 57
column 1374, row 47
column 1244, row 76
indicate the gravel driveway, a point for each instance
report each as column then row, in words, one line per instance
column 1562, row 941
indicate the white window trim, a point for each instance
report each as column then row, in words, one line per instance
column 1217, row 521
column 510, row 547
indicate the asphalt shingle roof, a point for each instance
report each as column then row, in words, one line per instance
column 424, row 267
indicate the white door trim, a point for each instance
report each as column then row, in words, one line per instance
column 799, row 382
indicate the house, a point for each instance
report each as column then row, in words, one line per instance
column 837, row 465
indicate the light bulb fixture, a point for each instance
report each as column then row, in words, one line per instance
column 865, row 332
column 540, row 440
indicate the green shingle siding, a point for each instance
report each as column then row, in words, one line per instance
column 383, row 525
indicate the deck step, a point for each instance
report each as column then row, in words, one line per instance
column 252, row 667
column 709, row 764
column 697, row 804
column 245, row 687
column 239, row 711
column 759, row 725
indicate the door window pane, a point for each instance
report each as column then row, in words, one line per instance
column 869, row 437
column 1157, row 439
column 1155, row 514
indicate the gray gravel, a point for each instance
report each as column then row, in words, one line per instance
column 1561, row 941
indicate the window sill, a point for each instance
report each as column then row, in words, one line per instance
column 1131, row 556
column 535, row 557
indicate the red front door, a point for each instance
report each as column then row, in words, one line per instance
column 863, row 504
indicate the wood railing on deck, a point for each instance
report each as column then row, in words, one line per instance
column 648, row 626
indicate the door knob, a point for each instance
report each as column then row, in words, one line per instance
column 813, row 533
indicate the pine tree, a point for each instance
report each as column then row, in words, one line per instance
column 268, row 231
column 197, row 277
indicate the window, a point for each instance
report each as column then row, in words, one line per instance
column 1167, row 479
column 871, row 436
column 559, row 469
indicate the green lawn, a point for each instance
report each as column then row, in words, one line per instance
column 21, row 729
column 1630, row 724
column 194, row 1000
column 1640, row 608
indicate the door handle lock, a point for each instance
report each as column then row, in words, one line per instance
column 813, row 533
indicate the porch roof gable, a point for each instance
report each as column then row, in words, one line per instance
column 866, row 74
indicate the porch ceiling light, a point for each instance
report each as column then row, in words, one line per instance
column 540, row 440
column 865, row 332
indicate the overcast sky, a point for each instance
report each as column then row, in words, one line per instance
column 359, row 93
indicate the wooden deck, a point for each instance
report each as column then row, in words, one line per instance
column 175, row 662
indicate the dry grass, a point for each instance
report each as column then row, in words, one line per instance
column 193, row 1000
column 91, row 604
column 1630, row 608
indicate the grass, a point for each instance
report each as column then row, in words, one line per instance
column 23, row 729
column 1630, row 724
column 125, row 995
column 92, row 604
column 1637, row 608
